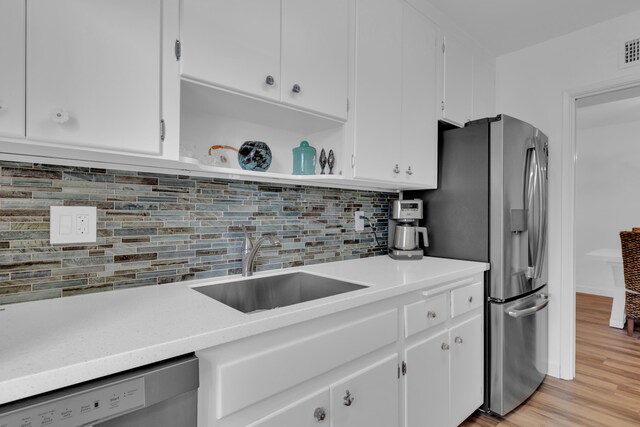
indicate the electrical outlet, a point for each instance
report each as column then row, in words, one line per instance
column 72, row 224
column 359, row 221
column 82, row 224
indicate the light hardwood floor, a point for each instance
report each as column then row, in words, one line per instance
column 606, row 390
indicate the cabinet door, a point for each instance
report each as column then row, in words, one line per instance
column 367, row 398
column 93, row 73
column 12, row 51
column 378, row 95
column 467, row 367
column 233, row 44
column 419, row 164
column 427, row 382
column 312, row 411
column 314, row 55
column 458, row 78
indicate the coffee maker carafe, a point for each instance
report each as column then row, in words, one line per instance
column 404, row 240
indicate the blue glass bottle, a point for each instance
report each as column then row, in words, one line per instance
column 304, row 159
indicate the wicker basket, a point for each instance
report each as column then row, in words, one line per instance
column 630, row 242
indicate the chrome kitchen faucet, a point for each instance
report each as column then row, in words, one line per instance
column 249, row 250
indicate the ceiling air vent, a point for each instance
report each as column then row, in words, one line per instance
column 631, row 53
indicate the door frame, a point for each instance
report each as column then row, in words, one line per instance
column 567, row 240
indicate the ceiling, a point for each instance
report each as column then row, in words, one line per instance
column 504, row 26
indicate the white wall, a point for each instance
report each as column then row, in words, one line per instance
column 530, row 85
column 607, row 176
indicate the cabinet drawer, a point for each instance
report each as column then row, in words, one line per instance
column 262, row 374
column 466, row 299
column 425, row 314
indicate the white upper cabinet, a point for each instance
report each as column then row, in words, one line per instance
column 94, row 73
column 395, row 119
column 314, row 55
column 234, row 44
column 12, row 74
column 419, row 100
column 290, row 51
column 457, row 98
column 377, row 113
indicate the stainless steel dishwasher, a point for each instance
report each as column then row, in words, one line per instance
column 163, row 394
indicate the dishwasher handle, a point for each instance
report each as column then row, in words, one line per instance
column 531, row 310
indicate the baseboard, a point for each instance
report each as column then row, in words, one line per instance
column 608, row 292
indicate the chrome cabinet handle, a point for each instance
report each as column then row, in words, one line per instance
column 319, row 414
column 431, row 314
column 458, row 340
column 445, row 346
column 409, row 171
column 269, row 80
column 296, row 88
column 348, row 399
column 396, row 170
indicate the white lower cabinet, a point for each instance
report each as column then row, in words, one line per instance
column 444, row 367
column 367, row 398
column 355, row 368
column 427, row 383
column 466, row 368
column 306, row 412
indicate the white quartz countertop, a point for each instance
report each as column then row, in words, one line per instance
column 45, row 345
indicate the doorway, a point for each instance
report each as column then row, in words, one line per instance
column 574, row 101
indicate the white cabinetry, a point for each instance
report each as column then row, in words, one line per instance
column 94, row 74
column 366, row 398
column 395, row 95
column 290, row 51
column 12, row 74
column 466, row 342
column 444, row 366
column 270, row 373
column 307, row 412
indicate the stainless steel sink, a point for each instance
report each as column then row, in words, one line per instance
column 265, row 293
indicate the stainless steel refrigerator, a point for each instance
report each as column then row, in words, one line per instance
column 491, row 206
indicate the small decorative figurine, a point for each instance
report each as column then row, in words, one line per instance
column 331, row 161
column 323, row 161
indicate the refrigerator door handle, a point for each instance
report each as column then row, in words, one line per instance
column 535, row 193
column 531, row 310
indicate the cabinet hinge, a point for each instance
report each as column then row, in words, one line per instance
column 442, row 105
column 398, row 371
column 178, row 50
column 404, row 368
column 347, row 105
column 353, row 161
column 162, row 130
column 443, row 47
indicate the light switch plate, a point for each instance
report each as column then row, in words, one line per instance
column 72, row 224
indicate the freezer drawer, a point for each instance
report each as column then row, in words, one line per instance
column 519, row 348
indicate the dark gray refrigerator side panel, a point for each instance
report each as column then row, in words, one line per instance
column 457, row 213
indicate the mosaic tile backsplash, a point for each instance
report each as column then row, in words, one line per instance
column 156, row 229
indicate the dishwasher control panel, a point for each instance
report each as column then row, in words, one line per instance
column 86, row 408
